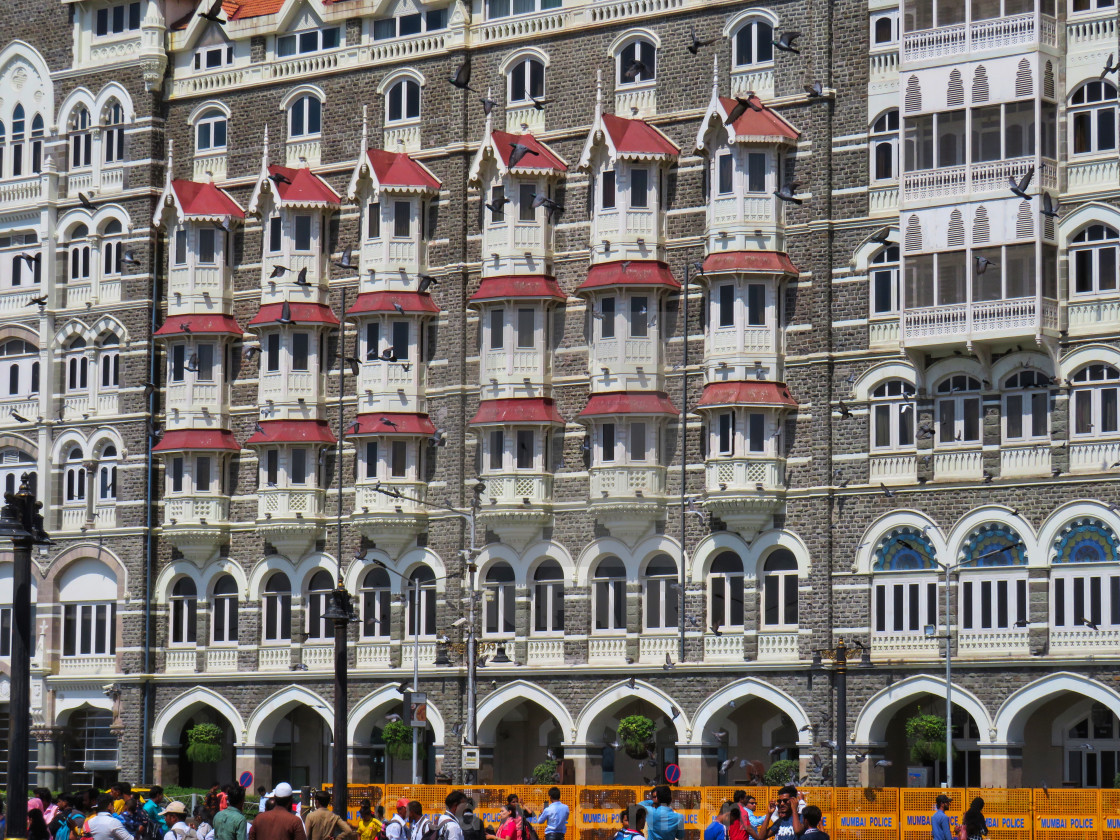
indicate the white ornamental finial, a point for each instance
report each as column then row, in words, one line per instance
column 170, row 160
column 365, row 130
column 715, row 75
column 264, row 150
column 598, row 94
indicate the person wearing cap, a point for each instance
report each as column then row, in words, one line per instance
column 103, row 825
column 175, row 815
column 939, row 825
column 397, row 827
column 277, row 823
column 323, row 823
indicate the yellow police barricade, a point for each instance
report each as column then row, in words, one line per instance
column 1065, row 813
column 865, row 814
column 1007, row 811
column 356, row 793
column 597, row 814
column 1110, row 815
column 917, row 806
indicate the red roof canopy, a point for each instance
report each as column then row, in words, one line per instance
column 759, row 262
column 628, row 402
column 544, row 158
column 383, row 302
column 637, row 137
column 201, row 324
column 397, row 169
column 399, row 423
column 774, row 394
column 529, row 286
column 214, row 440
column 517, row 411
column 205, row 200
column 292, row 431
column 306, row 187
column 302, row 313
column 629, row 273
column 760, row 124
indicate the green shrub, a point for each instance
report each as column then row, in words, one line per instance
column 397, row 736
column 781, row 772
column 636, row 732
column 545, row 772
column 204, row 743
column 926, row 736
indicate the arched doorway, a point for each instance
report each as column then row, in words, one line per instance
column 89, row 749
column 620, row 767
column 518, row 741
column 204, row 774
column 301, row 748
column 920, row 768
column 1072, row 741
column 750, row 728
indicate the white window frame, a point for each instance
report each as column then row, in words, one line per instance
column 891, row 42
column 1100, row 243
column 88, row 620
column 275, row 608
column 210, row 120
column 994, row 591
column 785, row 578
column 1103, row 106
column 376, row 606
column 548, row 604
column 614, row 590
column 1026, row 402
column 967, row 406
column 182, row 616
column 882, row 135
column 886, row 622
column 752, row 24
column 660, row 600
column 891, row 402
column 733, row 584
column 499, row 606
column 302, row 131
column 1099, row 385
column 1063, row 606
column 225, row 604
column 427, row 611
column 315, row 604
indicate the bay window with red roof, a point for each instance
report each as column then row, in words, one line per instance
column 196, row 468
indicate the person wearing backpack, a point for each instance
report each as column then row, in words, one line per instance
column 397, row 827
column 176, row 815
column 104, row 825
column 157, row 825
column 447, row 824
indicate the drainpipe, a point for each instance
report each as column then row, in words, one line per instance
column 150, row 547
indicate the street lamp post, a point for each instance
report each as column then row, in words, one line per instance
column 838, row 657
column 340, row 612
column 21, row 523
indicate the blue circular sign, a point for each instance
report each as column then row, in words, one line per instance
column 246, row 780
column 673, row 773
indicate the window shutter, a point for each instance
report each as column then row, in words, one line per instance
column 913, row 95
column 956, row 230
column 980, row 85
column 1048, row 80
column 954, row 97
column 1024, row 84
column 981, row 232
column 913, row 234
column 1024, row 225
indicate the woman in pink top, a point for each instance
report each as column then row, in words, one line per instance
column 511, row 826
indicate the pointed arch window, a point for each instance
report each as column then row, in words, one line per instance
column 184, row 612
column 548, row 598
column 377, row 596
column 276, row 605
column 81, row 140
column 224, row 611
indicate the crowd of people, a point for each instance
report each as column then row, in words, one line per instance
column 787, row 816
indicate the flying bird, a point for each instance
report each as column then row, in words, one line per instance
column 632, row 683
column 426, row 282
column 83, row 199
column 212, row 14
column 720, row 735
column 129, row 258
column 260, row 430
column 398, row 307
column 542, row 200
column 697, row 43
column 785, row 41
column 830, row 744
column 462, row 77
column 278, row 271
column 634, row 69
column 982, row 264
column 860, row 758
column 539, row 102
column 724, row 766
column 519, row 151
column 741, row 106
column 487, row 105
column 815, row 90
column 347, row 259
column 888, row 492
column 301, row 278
column 387, row 422
column 1110, row 66
column 844, row 410
column 278, row 178
column 393, row 717
column 786, row 192
column 668, row 666
column 777, row 749
column 884, row 762
column 1020, row 187
column 499, row 201
column 439, row 438
column 1087, row 623
column 1050, row 207
column 285, row 314
column 38, row 301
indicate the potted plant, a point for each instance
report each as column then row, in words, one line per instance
column 635, row 733
column 781, row 772
column 545, row 772
column 397, row 736
column 926, row 736
column 204, row 743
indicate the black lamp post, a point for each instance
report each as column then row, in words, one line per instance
column 340, row 612
column 838, row 659
column 20, row 522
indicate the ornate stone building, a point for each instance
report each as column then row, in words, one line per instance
column 281, row 305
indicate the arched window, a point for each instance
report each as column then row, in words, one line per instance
column 37, row 132
column 421, row 616
column 75, row 476
column 402, row 102
column 81, row 139
column 1090, row 745
column 1083, row 592
column 885, row 281
column 609, row 594
column 1026, row 406
column 548, row 598
column 725, row 585
column 958, row 410
column 526, row 81
column 993, row 580
column 77, row 365
column 21, row 359
column 113, row 136
column 884, row 147
column 3, row 143
column 111, row 248
column 377, row 595
column 305, row 117
column 501, row 599
column 904, row 603
column 892, row 415
column 318, row 600
column 1096, row 389
column 210, row 131
column 1092, row 118
column 184, row 612
column 637, row 63
column 223, row 611
column 19, row 129
column 110, row 360
column 13, row 464
column 1093, row 255
column 79, row 253
column 107, row 475
column 779, row 589
column 754, row 43
column 277, row 608
column 662, row 594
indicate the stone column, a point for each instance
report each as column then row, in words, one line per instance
column 165, row 761
column 695, row 769
column 587, row 763
column 47, row 767
column 1001, row 765
column 257, row 760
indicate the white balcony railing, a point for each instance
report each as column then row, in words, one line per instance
column 999, row 33
column 606, row 647
column 725, row 647
column 515, row 488
column 288, row 503
column 208, row 168
column 74, row 517
column 974, row 178
column 1020, row 461
column 546, row 651
column 522, row 26
column 636, row 101
column 373, row 655
column 1104, row 640
column 744, row 474
column 1092, row 174
column 1092, row 314
column 277, row 658
column 221, row 659
column 87, row 665
column 777, row 647
column 369, row 501
column 28, row 408
column 958, row 465
column 181, row 661
column 25, row 191
column 959, row 321
column 757, row 79
column 402, row 138
column 195, row 510
column 905, row 644
column 627, row 482
column 893, row 468
column 723, row 341
column 1093, row 456
column 521, row 118
column 652, row 649
column 427, row 653
column 318, row 657
column 980, row 642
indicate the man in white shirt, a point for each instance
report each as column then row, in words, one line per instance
column 449, row 826
column 175, row 815
column 397, row 827
column 419, row 824
column 103, row 825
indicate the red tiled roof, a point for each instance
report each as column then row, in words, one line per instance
column 405, row 424
column 629, row 273
column 628, row 402
column 764, row 123
column 774, row 394
column 398, row 169
column 292, row 431
column 518, row 410
column 529, row 286
column 205, row 200
column 202, row 324
column 306, row 187
column 544, row 159
column 383, row 302
column 302, row 313
column 761, row 262
column 209, row 439
column 637, row 137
